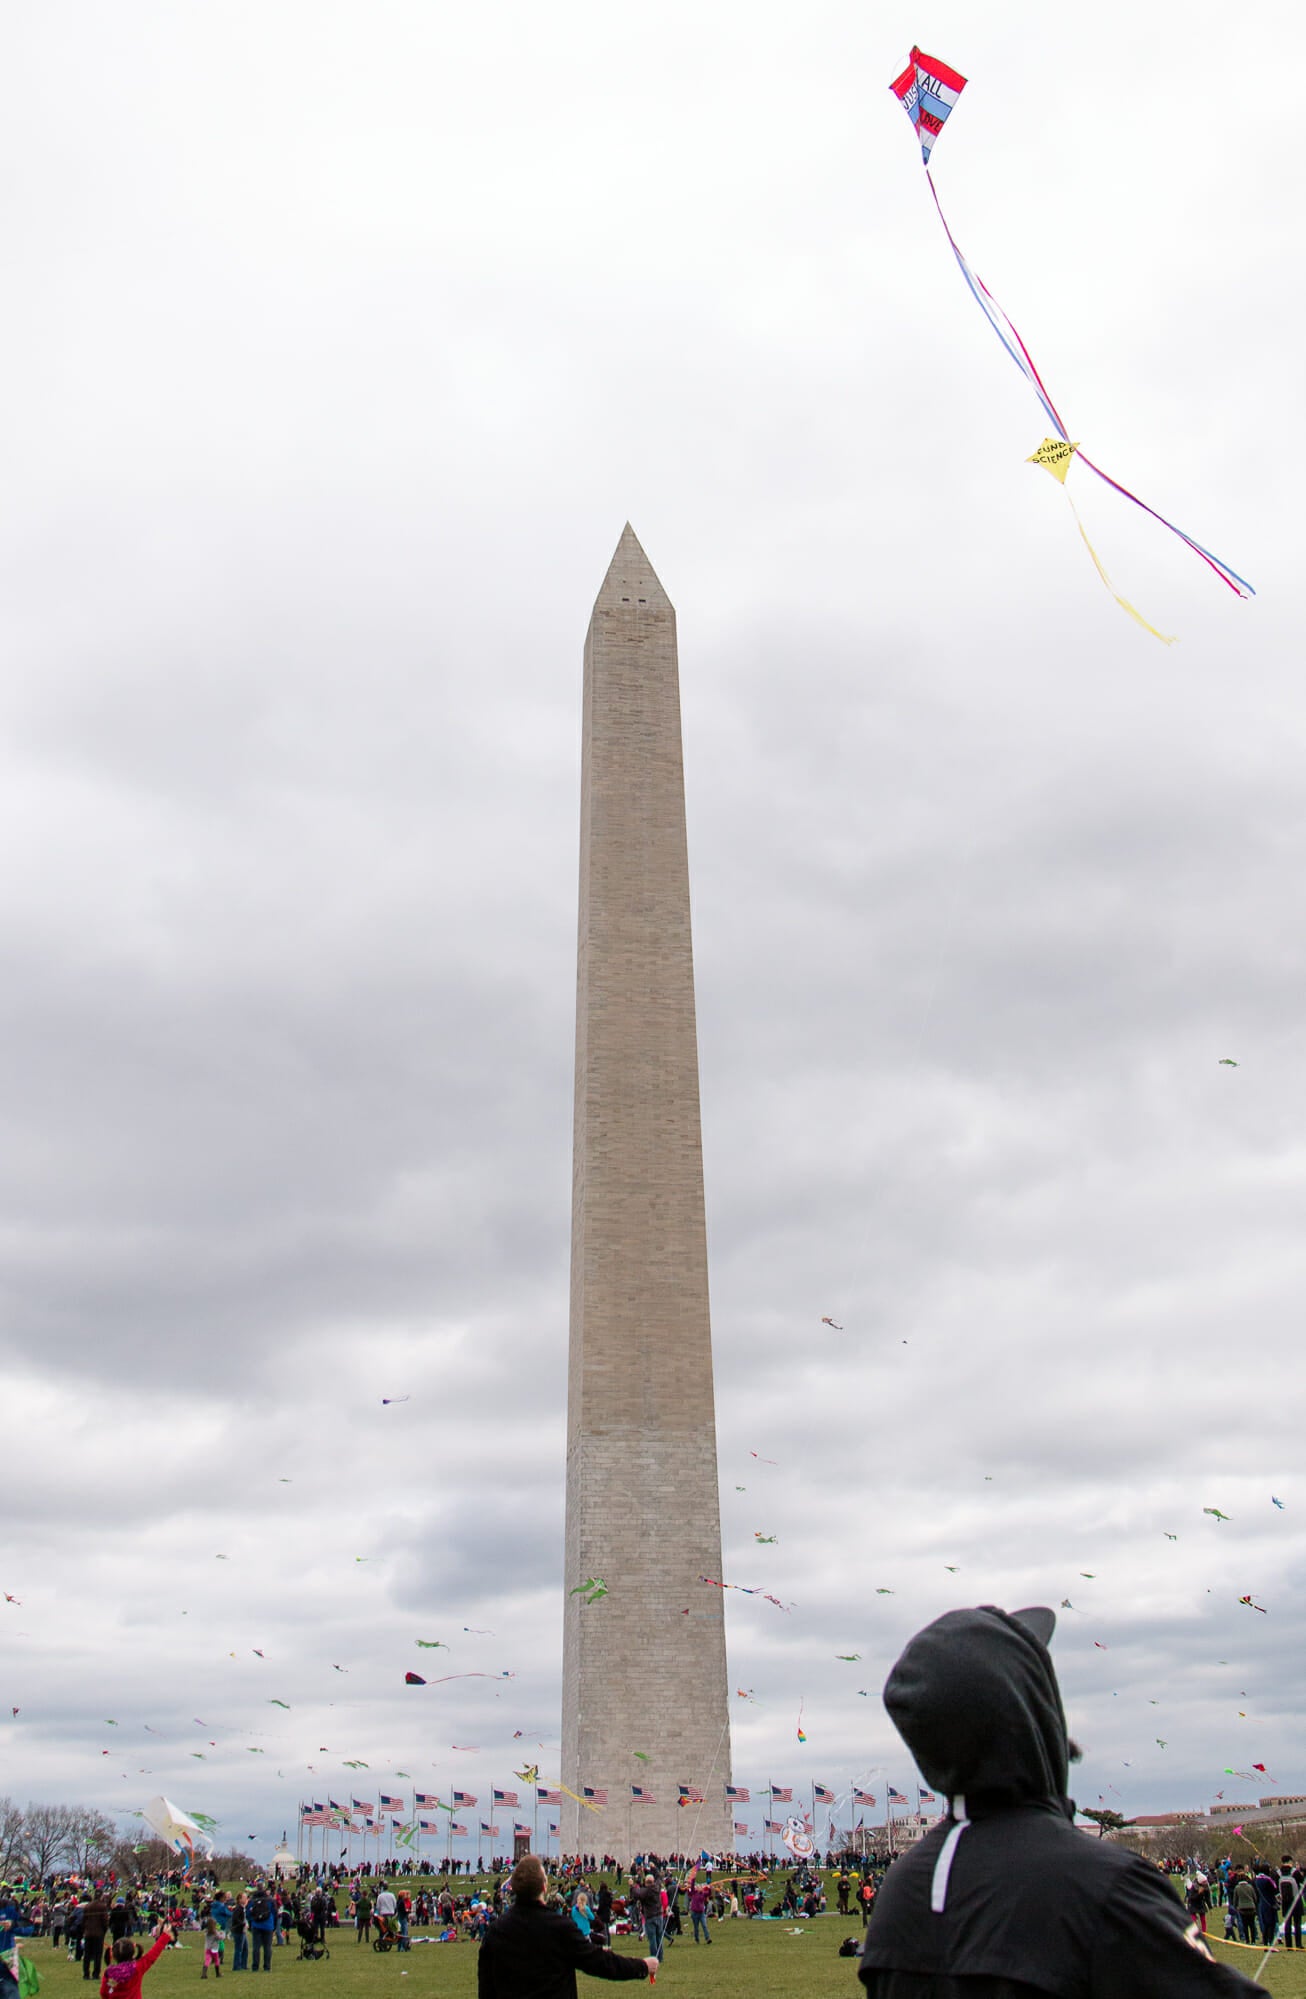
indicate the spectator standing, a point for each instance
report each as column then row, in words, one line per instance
column 261, row 1917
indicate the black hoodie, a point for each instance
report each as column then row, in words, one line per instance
column 1006, row 1900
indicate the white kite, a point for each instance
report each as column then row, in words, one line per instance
column 177, row 1829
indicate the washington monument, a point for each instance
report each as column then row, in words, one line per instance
column 645, row 1705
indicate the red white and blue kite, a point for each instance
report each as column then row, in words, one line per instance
column 928, row 90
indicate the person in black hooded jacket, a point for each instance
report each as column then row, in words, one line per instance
column 1005, row 1899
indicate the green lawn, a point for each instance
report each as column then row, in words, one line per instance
column 746, row 1961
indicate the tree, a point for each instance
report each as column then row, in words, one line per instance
column 89, row 1839
column 1105, row 1820
column 46, row 1829
column 13, row 1838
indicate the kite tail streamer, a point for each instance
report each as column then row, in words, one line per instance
column 1020, row 354
column 1123, row 602
column 1238, row 584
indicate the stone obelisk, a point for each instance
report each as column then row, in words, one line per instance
column 644, row 1695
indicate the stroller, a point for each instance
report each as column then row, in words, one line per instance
column 387, row 1933
column 312, row 1943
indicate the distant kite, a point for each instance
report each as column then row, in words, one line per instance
column 744, row 1590
column 880, row 1591
column 591, row 1590
column 1169, row 1536
column 277, row 1703
column 831, row 1322
column 1276, row 1502
column 434, row 1644
column 1215, row 1512
column 927, row 90
column 1254, row 1606
column 767, row 1540
column 386, row 1400
column 764, row 1461
column 849, row 1656
column 952, row 1567
column 414, row 1680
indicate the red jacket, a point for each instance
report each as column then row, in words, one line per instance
column 124, row 1981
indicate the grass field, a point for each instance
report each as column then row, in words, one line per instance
column 746, row 1961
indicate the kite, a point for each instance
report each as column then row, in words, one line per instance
column 1169, row 1536
column 764, row 1461
column 797, row 1836
column 414, row 1680
column 386, row 1400
column 744, row 1590
column 277, row 1703
column 1261, row 1767
column 529, row 1773
column 1276, row 1502
column 177, row 1829
column 849, row 1656
column 1100, row 1646
column 1215, row 1511
column 1159, row 1743
column 591, row 1590
column 745, row 1694
column 928, row 90
column 1254, row 1606
column 19, row 1601
column 952, row 1567
column 339, row 1669
column 883, row 1592
column 432, row 1644
column 356, row 1765
column 1227, row 1062
column 473, row 1632
column 767, row 1540
column 1088, row 1576
column 464, row 1749
column 831, row 1322
column 741, row 1488
column 257, row 1654
column 641, row 1755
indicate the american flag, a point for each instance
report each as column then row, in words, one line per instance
column 782, row 1794
column 772, row 1825
column 543, row 1796
column 738, row 1794
column 459, row 1831
column 314, row 1815
column 505, row 1798
column 517, row 1826
column 490, row 1831
column 689, row 1796
column 553, row 1829
column 640, row 1796
column 896, row 1797
column 863, row 1797
column 740, row 1826
column 425, row 1799
column 597, row 1797
column 467, row 1798
column 428, row 1825
column 823, row 1794
column 391, row 1804
column 334, row 1806
column 926, row 1797
column 359, row 1805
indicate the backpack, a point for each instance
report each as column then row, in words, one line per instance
column 259, row 1910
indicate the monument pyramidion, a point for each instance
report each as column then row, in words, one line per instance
column 645, row 1700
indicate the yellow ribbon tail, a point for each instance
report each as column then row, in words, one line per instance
column 1123, row 602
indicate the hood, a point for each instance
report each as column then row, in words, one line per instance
column 975, row 1698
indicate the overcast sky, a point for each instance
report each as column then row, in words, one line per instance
column 341, row 341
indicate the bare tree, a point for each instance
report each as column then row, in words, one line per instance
column 46, row 1830
column 13, row 1838
column 89, row 1839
